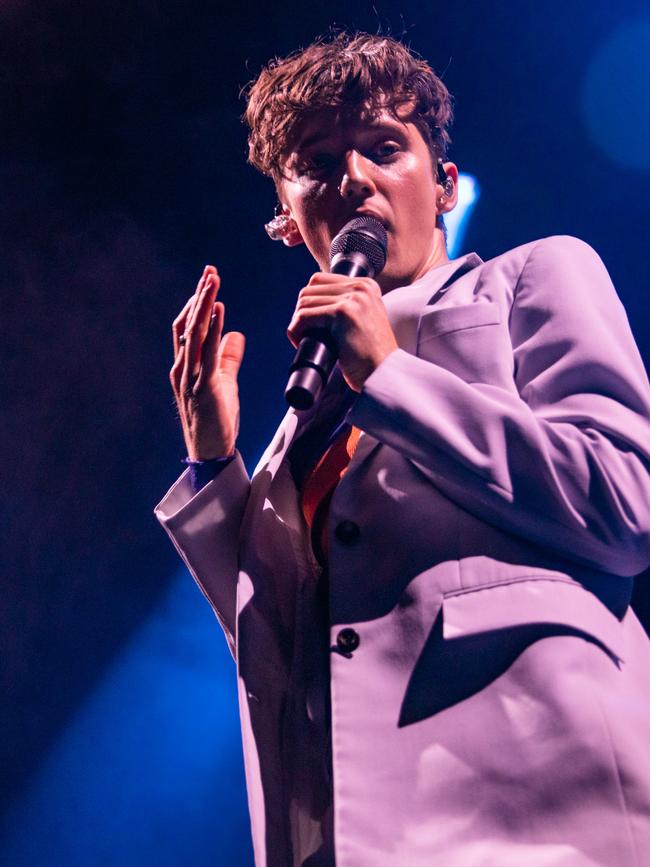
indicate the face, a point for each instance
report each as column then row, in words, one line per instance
column 340, row 169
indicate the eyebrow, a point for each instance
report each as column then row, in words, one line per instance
column 384, row 126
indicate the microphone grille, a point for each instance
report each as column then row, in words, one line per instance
column 362, row 235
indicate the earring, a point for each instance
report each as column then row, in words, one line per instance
column 446, row 183
column 279, row 227
column 447, row 190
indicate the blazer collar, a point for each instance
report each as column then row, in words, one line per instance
column 404, row 305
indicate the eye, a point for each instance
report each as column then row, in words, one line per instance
column 385, row 150
column 317, row 164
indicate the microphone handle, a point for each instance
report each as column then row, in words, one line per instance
column 317, row 351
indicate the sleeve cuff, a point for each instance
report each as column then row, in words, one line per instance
column 203, row 472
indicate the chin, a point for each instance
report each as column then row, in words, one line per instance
column 391, row 278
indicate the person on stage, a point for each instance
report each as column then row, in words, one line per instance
column 426, row 581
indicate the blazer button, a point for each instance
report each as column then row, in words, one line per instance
column 347, row 640
column 347, row 532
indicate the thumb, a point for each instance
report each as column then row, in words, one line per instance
column 230, row 353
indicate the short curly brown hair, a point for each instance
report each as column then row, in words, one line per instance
column 347, row 71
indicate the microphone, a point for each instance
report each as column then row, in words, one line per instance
column 359, row 250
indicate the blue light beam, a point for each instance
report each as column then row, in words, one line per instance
column 150, row 770
column 457, row 220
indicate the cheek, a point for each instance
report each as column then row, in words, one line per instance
column 416, row 187
column 311, row 214
column 417, row 212
column 423, row 198
column 312, row 206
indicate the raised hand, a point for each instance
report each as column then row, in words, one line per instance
column 204, row 373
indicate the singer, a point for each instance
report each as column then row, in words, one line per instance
column 426, row 582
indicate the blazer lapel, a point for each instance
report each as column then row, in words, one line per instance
column 315, row 431
column 302, row 430
column 405, row 304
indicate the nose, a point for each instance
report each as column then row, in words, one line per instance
column 357, row 182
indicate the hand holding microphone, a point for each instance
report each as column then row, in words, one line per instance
column 341, row 313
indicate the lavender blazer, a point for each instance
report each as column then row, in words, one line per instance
column 490, row 701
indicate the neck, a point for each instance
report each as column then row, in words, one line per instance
column 436, row 256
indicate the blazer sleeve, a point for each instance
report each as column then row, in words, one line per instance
column 562, row 459
column 204, row 528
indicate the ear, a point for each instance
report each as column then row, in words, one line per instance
column 293, row 236
column 446, row 201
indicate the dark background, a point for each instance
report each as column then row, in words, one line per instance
column 123, row 172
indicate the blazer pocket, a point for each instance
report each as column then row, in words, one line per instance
column 437, row 321
column 469, row 341
column 531, row 601
column 479, row 633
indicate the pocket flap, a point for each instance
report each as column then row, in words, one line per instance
column 436, row 321
column 531, row 601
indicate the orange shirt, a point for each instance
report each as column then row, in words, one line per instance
column 319, row 486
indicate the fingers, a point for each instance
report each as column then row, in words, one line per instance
column 231, row 353
column 211, row 343
column 333, row 287
column 320, row 316
column 198, row 322
column 185, row 317
column 328, row 277
column 178, row 327
column 328, row 298
column 221, row 355
column 209, row 273
column 189, row 329
column 306, row 301
column 317, row 311
column 341, row 282
column 324, row 288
